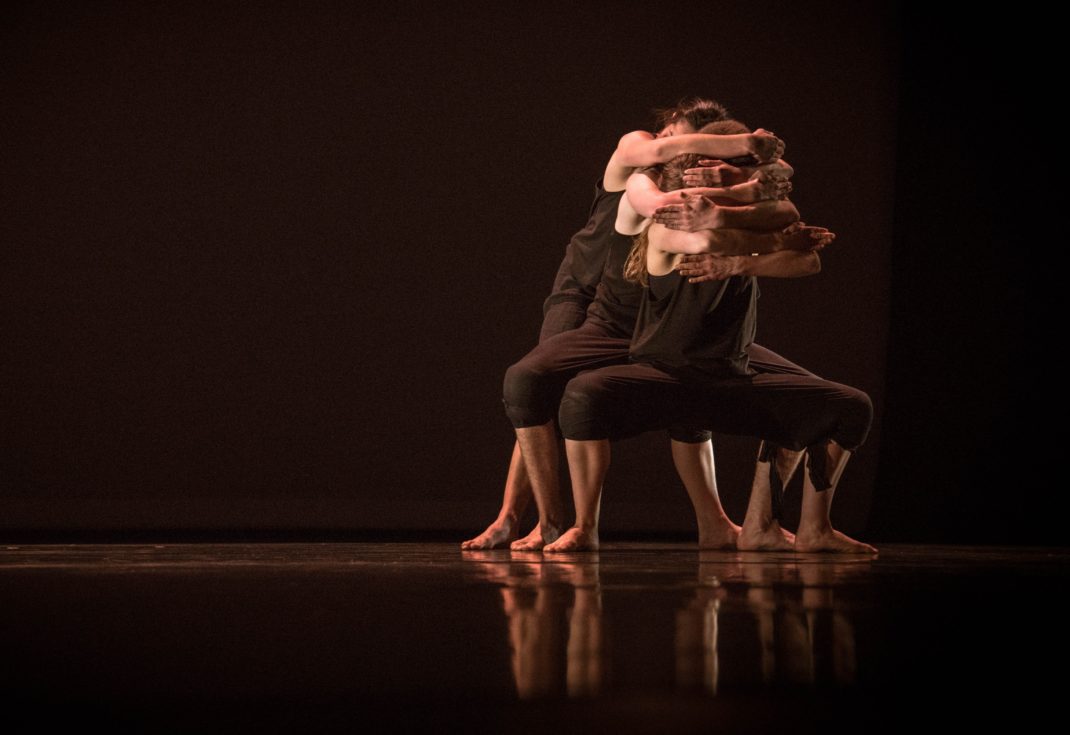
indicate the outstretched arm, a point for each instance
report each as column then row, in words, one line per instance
column 699, row 213
column 640, row 148
column 782, row 264
column 644, row 196
column 718, row 173
column 801, row 238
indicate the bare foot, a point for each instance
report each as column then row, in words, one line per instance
column 535, row 540
column 833, row 541
column 723, row 535
column 574, row 540
column 770, row 538
column 497, row 536
column 766, row 146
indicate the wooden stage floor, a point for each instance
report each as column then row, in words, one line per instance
column 639, row 637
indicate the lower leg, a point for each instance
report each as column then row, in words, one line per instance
column 538, row 444
column 815, row 525
column 506, row 526
column 588, row 462
column 695, row 465
column 761, row 531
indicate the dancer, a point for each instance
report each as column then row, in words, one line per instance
column 534, row 385
column 690, row 365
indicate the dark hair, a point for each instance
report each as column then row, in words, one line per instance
column 695, row 110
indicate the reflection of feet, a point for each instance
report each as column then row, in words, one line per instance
column 497, row 536
column 574, row 540
column 766, row 146
column 833, row 541
column 770, row 538
column 724, row 535
column 536, row 539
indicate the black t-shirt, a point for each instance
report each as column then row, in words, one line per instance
column 700, row 328
column 585, row 258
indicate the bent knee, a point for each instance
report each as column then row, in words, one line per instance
column 581, row 414
column 856, row 417
column 522, row 381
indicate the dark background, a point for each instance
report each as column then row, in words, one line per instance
column 264, row 267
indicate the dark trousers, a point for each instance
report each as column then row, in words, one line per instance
column 534, row 386
column 783, row 405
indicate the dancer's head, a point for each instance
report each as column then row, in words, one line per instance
column 688, row 116
column 672, row 178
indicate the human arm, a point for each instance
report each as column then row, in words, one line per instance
column 644, row 196
column 698, row 268
column 713, row 172
column 798, row 237
column 640, row 148
column 700, row 213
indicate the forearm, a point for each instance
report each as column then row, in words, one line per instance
column 781, row 264
column 741, row 242
column 644, row 196
column 637, row 150
column 765, row 216
column 711, row 146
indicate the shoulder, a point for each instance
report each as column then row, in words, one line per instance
column 636, row 136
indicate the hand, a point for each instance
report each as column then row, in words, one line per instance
column 765, row 146
column 801, row 236
column 708, row 267
column 695, row 213
column 713, row 172
column 772, row 186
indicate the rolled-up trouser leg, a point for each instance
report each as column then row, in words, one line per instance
column 533, row 386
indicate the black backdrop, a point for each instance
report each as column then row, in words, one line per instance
column 264, row 267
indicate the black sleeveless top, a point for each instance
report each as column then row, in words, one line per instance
column 592, row 269
column 696, row 328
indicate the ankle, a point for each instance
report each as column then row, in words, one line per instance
column 508, row 517
column 814, row 528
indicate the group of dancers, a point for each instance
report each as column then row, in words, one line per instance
column 650, row 325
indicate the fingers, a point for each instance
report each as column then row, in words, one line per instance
column 669, row 209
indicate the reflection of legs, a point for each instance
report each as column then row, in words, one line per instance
column 517, row 497
column 585, row 655
column 815, row 526
column 761, row 531
column 695, row 465
column 536, row 628
column 697, row 631
column 538, row 444
column 588, row 462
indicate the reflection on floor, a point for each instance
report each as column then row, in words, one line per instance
column 638, row 637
